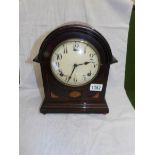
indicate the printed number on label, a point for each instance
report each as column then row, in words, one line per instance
column 96, row 87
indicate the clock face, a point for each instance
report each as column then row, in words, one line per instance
column 75, row 62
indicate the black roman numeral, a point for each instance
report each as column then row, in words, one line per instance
column 84, row 77
column 61, row 73
column 66, row 78
column 59, row 56
column 76, row 46
column 91, row 55
column 95, row 65
column 75, row 79
column 85, row 49
column 89, row 74
column 65, row 49
column 57, row 64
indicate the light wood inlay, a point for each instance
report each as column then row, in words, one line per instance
column 75, row 94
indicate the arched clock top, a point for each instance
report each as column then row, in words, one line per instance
column 71, row 31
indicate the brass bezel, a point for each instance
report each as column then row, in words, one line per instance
column 85, row 42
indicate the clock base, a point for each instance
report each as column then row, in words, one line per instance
column 71, row 107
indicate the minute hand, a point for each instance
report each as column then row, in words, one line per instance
column 75, row 65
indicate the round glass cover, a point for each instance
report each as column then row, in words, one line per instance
column 75, row 62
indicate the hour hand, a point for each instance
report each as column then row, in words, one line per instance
column 85, row 63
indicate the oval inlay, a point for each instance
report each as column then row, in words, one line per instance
column 75, row 94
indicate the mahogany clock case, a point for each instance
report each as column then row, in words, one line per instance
column 60, row 98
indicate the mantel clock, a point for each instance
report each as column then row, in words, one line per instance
column 75, row 60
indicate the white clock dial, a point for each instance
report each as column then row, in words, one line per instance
column 75, row 62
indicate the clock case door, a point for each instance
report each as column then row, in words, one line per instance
column 65, row 99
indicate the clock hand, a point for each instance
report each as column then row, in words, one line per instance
column 75, row 65
column 85, row 63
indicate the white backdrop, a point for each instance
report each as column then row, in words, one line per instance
column 74, row 134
